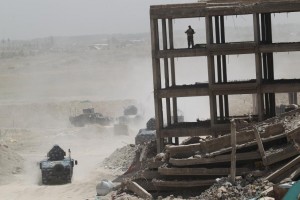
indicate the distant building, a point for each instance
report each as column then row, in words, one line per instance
column 99, row 46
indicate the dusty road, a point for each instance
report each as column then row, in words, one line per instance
column 89, row 145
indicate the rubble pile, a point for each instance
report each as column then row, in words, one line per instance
column 121, row 158
column 242, row 189
column 267, row 152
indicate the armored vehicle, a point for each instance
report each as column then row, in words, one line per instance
column 130, row 117
column 89, row 116
column 148, row 134
column 131, row 110
column 145, row 136
column 57, row 168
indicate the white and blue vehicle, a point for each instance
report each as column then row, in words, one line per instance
column 57, row 168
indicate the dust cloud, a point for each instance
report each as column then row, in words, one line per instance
column 44, row 81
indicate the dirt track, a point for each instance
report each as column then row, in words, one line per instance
column 89, row 145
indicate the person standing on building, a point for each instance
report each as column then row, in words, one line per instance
column 190, row 36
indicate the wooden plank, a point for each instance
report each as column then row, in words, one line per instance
column 225, row 141
column 199, row 171
column 233, row 151
column 146, row 174
column 283, row 169
column 274, row 129
column 182, row 184
column 228, row 149
column 146, row 184
column 248, row 144
column 137, row 189
column 154, row 164
column 295, row 174
column 244, row 139
column 217, row 159
column 280, row 155
column 294, row 136
column 260, row 145
column 222, row 144
column 182, row 149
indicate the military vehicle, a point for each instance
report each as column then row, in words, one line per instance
column 148, row 134
column 130, row 117
column 57, row 168
column 89, row 116
column 131, row 110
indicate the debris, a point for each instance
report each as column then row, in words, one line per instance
column 121, row 159
column 242, row 189
column 201, row 163
column 104, row 187
column 279, row 174
column 137, row 189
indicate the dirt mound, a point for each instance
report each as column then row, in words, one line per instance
column 121, row 159
column 11, row 163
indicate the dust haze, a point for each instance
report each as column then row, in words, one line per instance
column 57, row 58
column 43, row 82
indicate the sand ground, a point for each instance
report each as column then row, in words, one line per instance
column 89, row 145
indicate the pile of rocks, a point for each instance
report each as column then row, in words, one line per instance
column 243, row 188
column 121, row 158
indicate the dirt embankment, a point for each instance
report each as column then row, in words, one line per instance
column 11, row 164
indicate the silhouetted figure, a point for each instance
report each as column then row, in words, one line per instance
column 190, row 36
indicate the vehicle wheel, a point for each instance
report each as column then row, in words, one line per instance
column 69, row 179
column 44, row 181
column 58, row 169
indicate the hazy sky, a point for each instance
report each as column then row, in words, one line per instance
column 26, row 19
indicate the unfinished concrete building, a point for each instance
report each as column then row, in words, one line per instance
column 263, row 87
